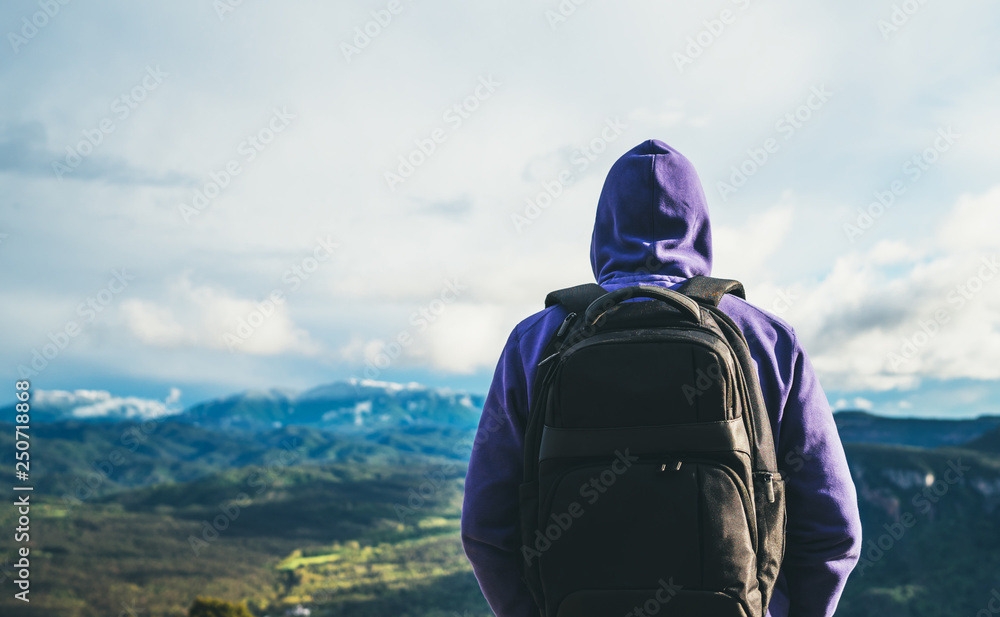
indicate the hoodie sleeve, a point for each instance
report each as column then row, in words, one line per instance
column 823, row 539
column 490, row 509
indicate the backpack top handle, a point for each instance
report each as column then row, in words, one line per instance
column 688, row 307
column 710, row 290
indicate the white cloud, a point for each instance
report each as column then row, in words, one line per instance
column 741, row 252
column 202, row 316
column 468, row 337
column 973, row 222
column 155, row 325
column 892, row 252
column 465, row 337
column 893, row 316
column 857, row 403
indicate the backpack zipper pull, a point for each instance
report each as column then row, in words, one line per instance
column 769, row 486
column 565, row 324
column 562, row 330
column 671, row 466
column 556, row 354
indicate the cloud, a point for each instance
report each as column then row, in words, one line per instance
column 660, row 117
column 857, row 403
column 24, row 149
column 463, row 338
column 894, row 315
column 455, row 208
column 742, row 251
column 468, row 337
column 973, row 222
column 203, row 316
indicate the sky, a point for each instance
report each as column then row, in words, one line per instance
column 198, row 198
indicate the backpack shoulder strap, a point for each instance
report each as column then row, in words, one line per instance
column 575, row 299
column 710, row 290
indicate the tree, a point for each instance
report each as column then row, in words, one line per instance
column 211, row 607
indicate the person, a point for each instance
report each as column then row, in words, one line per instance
column 652, row 227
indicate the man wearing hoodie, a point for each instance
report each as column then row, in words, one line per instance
column 652, row 228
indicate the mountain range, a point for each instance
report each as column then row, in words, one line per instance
column 357, row 406
column 350, row 404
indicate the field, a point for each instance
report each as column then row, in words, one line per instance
column 326, row 536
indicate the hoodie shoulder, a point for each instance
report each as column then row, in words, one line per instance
column 753, row 314
column 531, row 336
column 538, row 325
column 774, row 347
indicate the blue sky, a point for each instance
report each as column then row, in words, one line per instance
column 213, row 196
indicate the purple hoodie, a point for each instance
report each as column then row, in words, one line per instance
column 652, row 227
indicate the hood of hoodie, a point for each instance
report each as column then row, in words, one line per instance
column 652, row 218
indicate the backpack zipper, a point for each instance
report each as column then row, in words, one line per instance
column 565, row 324
column 768, row 479
column 746, row 500
column 559, row 333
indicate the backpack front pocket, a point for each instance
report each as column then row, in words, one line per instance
column 622, row 524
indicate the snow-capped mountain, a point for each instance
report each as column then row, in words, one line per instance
column 97, row 405
column 354, row 403
column 346, row 405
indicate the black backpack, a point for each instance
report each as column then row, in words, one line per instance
column 650, row 481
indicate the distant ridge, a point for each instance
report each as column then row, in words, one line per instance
column 988, row 442
column 357, row 404
column 857, row 426
column 362, row 405
column 352, row 403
